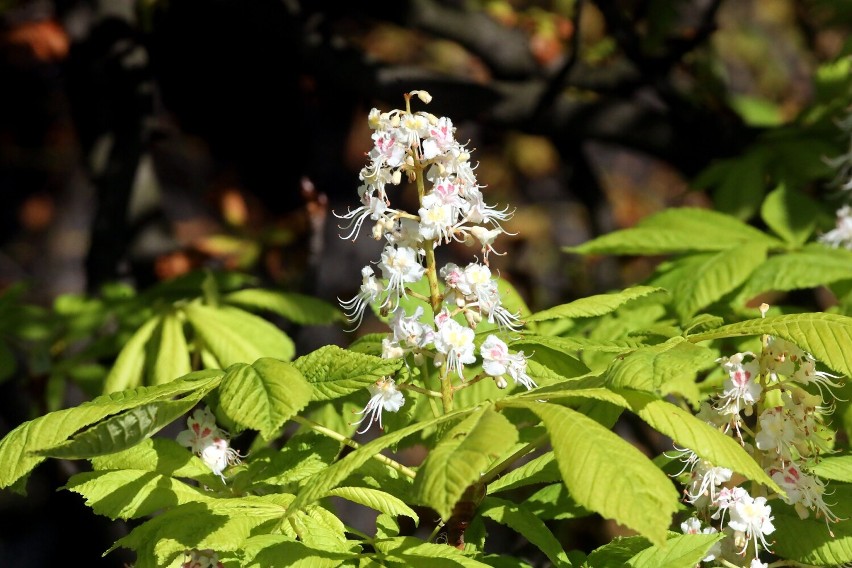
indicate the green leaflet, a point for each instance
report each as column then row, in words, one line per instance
column 809, row 540
column 618, row 552
column 838, row 468
column 663, row 369
column 319, row 485
column 678, row 230
column 132, row 493
column 336, row 372
column 690, row 432
column 304, row 455
column 298, row 308
column 160, row 455
column 266, row 550
column 413, row 552
column 263, row 395
column 811, row 267
column 679, row 551
column 717, row 275
column 167, row 352
column 377, row 500
column 630, row 490
column 320, row 529
column 460, row 459
column 124, row 430
column 826, row 336
column 17, row 449
column 217, row 524
column 791, row 214
column 539, row 470
column 527, row 524
column 593, row 306
column 236, row 336
column 128, row 368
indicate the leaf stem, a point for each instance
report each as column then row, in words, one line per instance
column 427, row 392
column 353, row 444
column 496, row 470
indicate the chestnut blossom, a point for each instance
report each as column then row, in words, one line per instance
column 384, row 395
column 497, row 361
column 752, row 517
column 368, row 293
column 202, row 559
column 208, row 442
column 841, row 234
column 742, row 390
column 455, row 343
column 803, row 490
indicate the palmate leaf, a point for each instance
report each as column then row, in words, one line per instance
column 593, row 306
column 826, row 336
column 460, row 459
column 630, row 490
column 298, row 308
column 235, row 336
column 376, row 500
column 123, row 430
column 717, row 275
column 18, row 449
column 524, row 522
column 809, row 540
column 263, row 395
column 218, row 524
column 334, row 372
column 132, row 493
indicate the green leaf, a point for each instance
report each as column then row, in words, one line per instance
column 593, row 306
column 336, row 372
column 18, row 449
column 811, row 540
column 266, row 550
column 630, row 490
column 131, row 493
column 743, row 184
column 618, row 552
column 160, row 455
column 298, row 308
column 811, row 267
column 678, row 230
column 679, row 551
column 218, row 524
column 413, row 552
column 168, row 353
column 376, row 500
column 826, row 336
column 236, row 336
column 542, row 469
column 525, row 523
column 129, row 367
column 669, row 367
column 690, row 432
column 124, row 430
column 716, row 276
column 319, row 485
column 838, row 468
column 791, row 214
column 305, row 454
column 460, row 459
column 263, row 395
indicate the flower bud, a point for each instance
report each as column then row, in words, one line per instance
column 501, row 382
column 423, row 96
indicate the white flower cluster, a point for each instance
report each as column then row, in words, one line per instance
column 208, row 441
column 786, row 436
column 420, row 148
column 202, row 559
